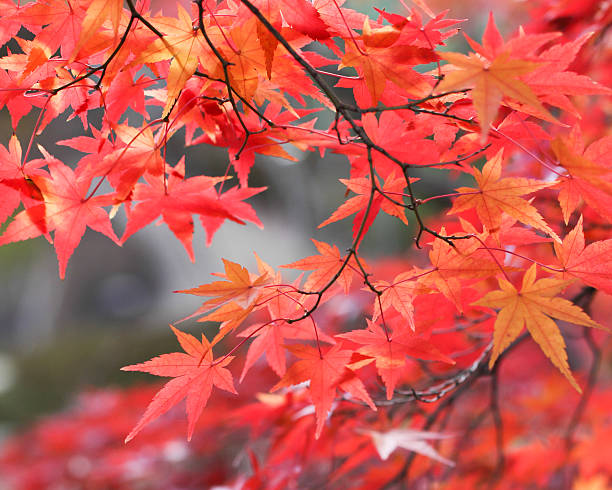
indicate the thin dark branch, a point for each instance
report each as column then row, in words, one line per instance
column 498, row 424
column 102, row 67
column 439, row 391
column 225, row 64
column 584, row 300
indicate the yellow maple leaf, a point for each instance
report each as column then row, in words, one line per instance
column 98, row 12
column 496, row 195
column 533, row 306
column 181, row 43
column 490, row 81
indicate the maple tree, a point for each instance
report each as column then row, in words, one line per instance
column 454, row 353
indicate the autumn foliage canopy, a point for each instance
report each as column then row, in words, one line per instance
column 479, row 358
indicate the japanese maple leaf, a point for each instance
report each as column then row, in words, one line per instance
column 35, row 59
column 235, row 298
column 390, row 350
column 15, row 179
column 451, row 266
column 397, row 294
column 491, row 80
column 406, row 138
column 591, row 264
column 267, row 41
column 381, row 64
column 393, row 187
column 183, row 44
column 11, row 19
column 68, row 209
column 98, row 12
column 195, row 372
column 141, row 153
column 232, row 201
column 304, row 17
column 13, row 94
column 239, row 287
column 269, row 337
column 382, row 37
column 125, row 92
column 325, row 266
column 96, row 148
column 496, row 195
column 551, row 81
column 534, row 306
column 176, row 199
column 589, row 174
column 260, row 141
column 326, row 370
column 62, row 23
column 247, row 59
column 337, row 19
column 413, row 29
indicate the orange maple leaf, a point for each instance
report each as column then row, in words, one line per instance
column 247, row 60
column 239, row 287
column 379, row 64
column 325, row 266
column 495, row 196
column 533, row 306
column 399, row 295
column 451, row 265
column 267, row 41
column 195, row 373
column 98, row 12
column 235, row 297
column 181, row 42
column 490, row 81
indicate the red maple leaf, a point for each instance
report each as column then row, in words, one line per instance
column 591, row 264
column 326, row 370
column 15, row 179
column 304, row 17
column 269, row 338
column 393, row 188
column 62, row 22
column 588, row 174
column 68, row 209
column 378, row 65
column 390, row 350
column 176, row 199
column 195, row 373
column 325, row 266
column 398, row 294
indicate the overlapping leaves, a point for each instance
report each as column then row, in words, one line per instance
column 218, row 75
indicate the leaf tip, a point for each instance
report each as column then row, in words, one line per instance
column 492, row 362
column 129, row 437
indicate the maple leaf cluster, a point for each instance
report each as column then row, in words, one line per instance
column 522, row 250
